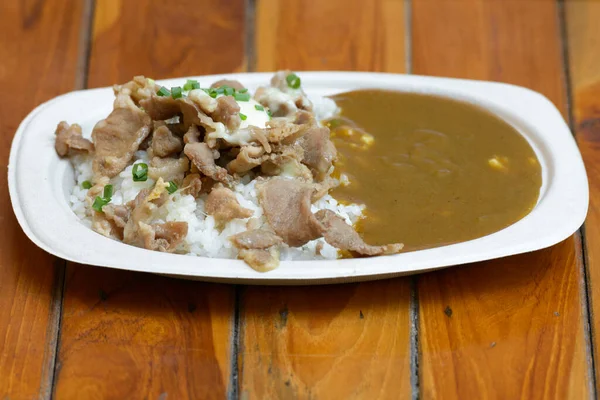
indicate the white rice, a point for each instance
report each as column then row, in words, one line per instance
column 204, row 238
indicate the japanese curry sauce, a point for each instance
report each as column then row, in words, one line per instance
column 431, row 171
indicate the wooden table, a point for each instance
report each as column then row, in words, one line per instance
column 520, row 327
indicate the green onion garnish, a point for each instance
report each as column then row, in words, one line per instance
column 172, row 188
column 191, row 84
column 86, row 184
column 293, row 81
column 269, row 112
column 259, row 108
column 176, row 92
column 99, row 202
column 163, row 91
column 228, row 91
column 108, row 192
column 211, row 92
column 243, row 116
column 140, row 172
column 244, row 90
column 242, row 96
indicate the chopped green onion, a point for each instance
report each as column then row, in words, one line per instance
column 86, row 184
column 176, row 92
column 108, row 192
column 293, row 81
column 259, row 108
column 242, row 96
column 172, row 188
column 243, row 116
column 228, row 91
column 244, row 90
column 140, row 172
column 163, row 91
column 99, row 202
column 211, row 92
column 191, row 84
column 270, row 113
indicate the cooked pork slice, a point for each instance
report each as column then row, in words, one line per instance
column 192, row 135
column 206, row 103
column 222, row 204
column 247, row 158
column 319, row 151
column 119, row 214
column 288, row 167
column 163, row 237
column 118, row 137
column 282, row 131
column 143, row 208
column 228, row 112
column 279, row 81
column 165, row 143
column 194, row 115
column 259, row 259
column 69, row 137
column 342, row 236
column 192, row 184
column 169, row 169
column 255, row 239
column 139, row 88
column 160, row 108
column 202, row 157
column 116, row 217
column 227, row 82
column 304, row 117
column 286, row 204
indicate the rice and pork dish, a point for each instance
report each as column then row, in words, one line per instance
column 215, row 171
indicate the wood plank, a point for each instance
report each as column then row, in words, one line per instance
column 342, row 341
column 39, row 48
column 510, row 328
column 132, row 335
column 583, row 32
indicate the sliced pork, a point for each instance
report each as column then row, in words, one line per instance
column 202, row 157
column 259, row 259
column 228, row 82
column 169, row 169
column 222, row 204
column 69, row 137
column 286, row 203
column 228, row 112
column 255, row 239
column 118, row 136
column 342, row 236
column 165, row 143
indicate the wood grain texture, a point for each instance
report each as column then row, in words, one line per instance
column 140, row 336
column 510, row 328
column 583, row 32
column 166, row 39
column 343, row 341
column 30, row 73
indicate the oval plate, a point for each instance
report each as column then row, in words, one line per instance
column 40, row 183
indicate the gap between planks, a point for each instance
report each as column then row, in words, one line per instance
column 54, row 331
column 580, row 242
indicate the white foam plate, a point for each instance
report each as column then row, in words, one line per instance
column 40, row 183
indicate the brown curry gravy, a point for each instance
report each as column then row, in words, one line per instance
column 430, row 170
